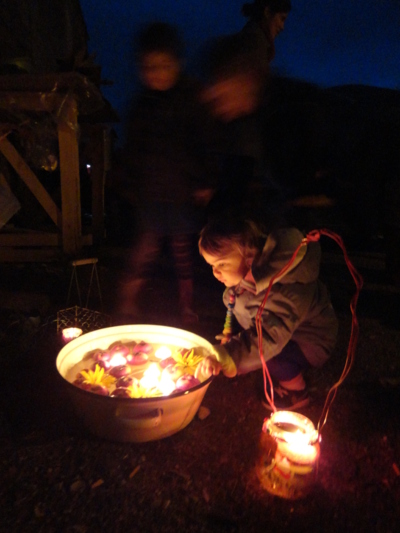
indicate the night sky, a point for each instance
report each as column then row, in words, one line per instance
column 327, row 42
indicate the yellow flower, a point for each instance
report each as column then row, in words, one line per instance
column 137, row 391
column 97, row 377
column 187, row 360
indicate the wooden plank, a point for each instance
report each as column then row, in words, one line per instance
column 29, row 101
column 31, row 181
column 37, row 239
column 4, row 182
column 26, row 255
column 30, row 239
column 27, row 252
column 49, row 87
column 70, row 179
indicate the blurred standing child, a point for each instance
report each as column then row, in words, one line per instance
column 299, row 325
column 165, row 165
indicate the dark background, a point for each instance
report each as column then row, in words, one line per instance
column 56, row 477
column 324, row 42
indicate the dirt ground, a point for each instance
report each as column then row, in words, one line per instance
column 55, row 476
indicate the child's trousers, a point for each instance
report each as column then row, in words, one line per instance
column 288, row 364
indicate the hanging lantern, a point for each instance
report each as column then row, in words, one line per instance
column 288, row 455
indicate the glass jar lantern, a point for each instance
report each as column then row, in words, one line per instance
column 288, row 455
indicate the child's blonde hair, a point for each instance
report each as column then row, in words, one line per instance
column 220, row 237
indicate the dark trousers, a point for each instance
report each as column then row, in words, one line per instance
column 288, row 364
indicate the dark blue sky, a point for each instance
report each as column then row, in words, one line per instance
column 328, row 42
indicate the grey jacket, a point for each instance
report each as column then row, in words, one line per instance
column 298, row 306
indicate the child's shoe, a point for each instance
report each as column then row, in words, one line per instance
column 288, row 400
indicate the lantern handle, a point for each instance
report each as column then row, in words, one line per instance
column 94, row 274
column 314, row 236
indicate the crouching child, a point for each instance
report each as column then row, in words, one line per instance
column 299, row 325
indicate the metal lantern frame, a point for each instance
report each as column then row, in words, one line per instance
column 79, row 316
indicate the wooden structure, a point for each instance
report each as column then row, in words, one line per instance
column 73, row 103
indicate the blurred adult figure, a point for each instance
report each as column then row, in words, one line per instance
column 237, row 93
column 235, row 76
column 238, row 64
column 266, row 20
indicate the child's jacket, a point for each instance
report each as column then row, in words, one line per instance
column 298, row 306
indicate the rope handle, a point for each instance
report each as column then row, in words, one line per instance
column 314, row 236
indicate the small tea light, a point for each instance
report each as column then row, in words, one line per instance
column 166, row 385
column 163, row 352
column 71, row 333
column 151, row 377
column 117, row 360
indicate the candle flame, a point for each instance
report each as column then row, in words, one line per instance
column 163, row 352
column 298, row 438
column 301, row 452
column 166, row 384
column 154, row 379
column 151, row 377
column 298, row 444
column 117, row 360
column 295, row 435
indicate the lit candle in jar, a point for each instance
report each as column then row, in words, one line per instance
column 297, row 448
column 71, row 333
column 289, row 453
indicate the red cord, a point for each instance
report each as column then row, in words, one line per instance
column 314, row 236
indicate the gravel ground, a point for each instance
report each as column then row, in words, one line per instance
column 56, row 477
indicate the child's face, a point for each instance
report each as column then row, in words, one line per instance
column 159, row 71
column 230, row 268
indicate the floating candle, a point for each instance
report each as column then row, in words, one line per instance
column 166, row 384
column 163, row 352
column 117, row 359
column 151, row 377
column 156, row 368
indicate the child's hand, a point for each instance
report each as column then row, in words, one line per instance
column 228, row 365
column 223, row 338
column 207, row 367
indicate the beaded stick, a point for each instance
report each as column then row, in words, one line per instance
column 227, row 331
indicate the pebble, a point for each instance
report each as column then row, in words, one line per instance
column 203, row 413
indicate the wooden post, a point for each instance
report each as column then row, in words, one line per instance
column 70, row 179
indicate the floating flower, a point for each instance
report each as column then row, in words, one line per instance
column 136, row 390
column 187, row 360
column 97, row 377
